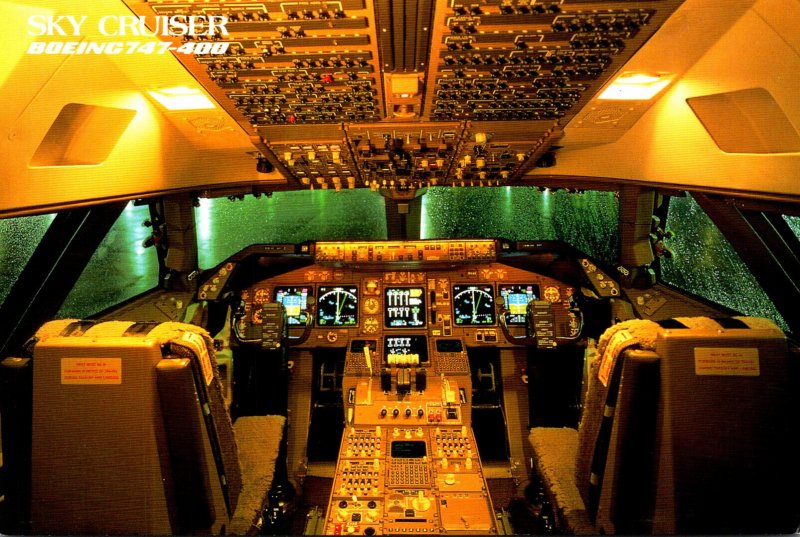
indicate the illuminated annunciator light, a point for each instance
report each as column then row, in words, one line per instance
column 182, row 98
column 635, row 86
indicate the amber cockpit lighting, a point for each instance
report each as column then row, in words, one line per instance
column 632, row 86
column 181, row 98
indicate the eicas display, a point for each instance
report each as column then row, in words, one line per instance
column 404, row 307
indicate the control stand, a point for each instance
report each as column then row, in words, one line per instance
column 408, row 461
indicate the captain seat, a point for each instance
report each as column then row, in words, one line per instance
column 689, row 426
column 131, row 435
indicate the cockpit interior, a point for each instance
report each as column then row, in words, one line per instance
column 368, row 267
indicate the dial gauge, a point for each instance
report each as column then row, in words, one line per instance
column 370, row 325
column 371, row 305
column 338, row 306
column 551, row 294
column 371, row 286
column 261, row 296
column 473, row 304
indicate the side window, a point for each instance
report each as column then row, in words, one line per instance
column 794, row 223
column 120, row 268
column 18, row 240
column 705, row 264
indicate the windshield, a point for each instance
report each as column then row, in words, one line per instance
column 224, row 227
column 586, row 220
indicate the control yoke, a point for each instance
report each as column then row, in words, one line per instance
column 576, row 323
column 272, row 333
column 540, row 326
column 502, row 312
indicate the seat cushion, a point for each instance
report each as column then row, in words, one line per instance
column 258, row 439
column 555, row 451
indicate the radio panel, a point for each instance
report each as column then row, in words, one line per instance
column 425, row 479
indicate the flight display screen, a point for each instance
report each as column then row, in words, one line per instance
column 473, row 305
column 517, row 297
column 294, row 300
column 406, row 345
column 449, row 345
column 337, row 306
column 408, row 449
column 404, row 307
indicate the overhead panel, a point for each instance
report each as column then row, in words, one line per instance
column 412, row 93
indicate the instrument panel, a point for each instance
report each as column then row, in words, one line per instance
column 406, row 314
column 458, row 303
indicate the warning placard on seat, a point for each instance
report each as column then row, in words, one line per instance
column 726, row 361
column 91, row 370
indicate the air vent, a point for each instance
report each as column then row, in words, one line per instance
column 746, row 121
column 82, row 134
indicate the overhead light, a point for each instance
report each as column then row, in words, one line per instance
column 181, row 98
column 632, row 86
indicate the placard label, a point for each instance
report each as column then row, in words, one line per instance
column 725, row 361
column 91, row 370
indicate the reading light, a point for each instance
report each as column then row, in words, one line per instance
column 181, row 98
column 636, row 86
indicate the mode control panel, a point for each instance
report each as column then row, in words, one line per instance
column 405, row 251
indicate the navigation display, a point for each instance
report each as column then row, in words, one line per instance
column 405, row 345
column 473, row 305
column 294, row 300
column 337, row 306
column 404, row 307
column 517, row 297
